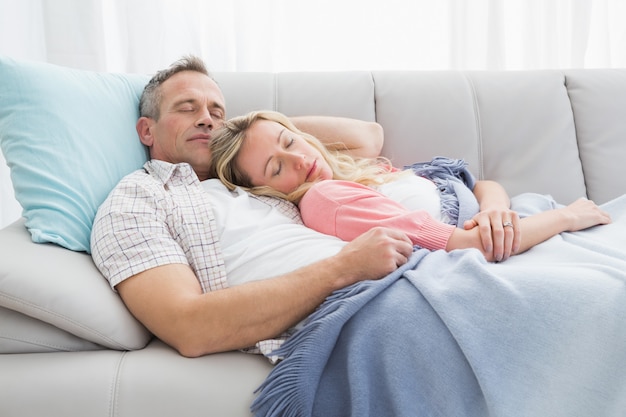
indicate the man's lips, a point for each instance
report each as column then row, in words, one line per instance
column 201, row 136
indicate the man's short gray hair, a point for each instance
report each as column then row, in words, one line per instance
column 150, row 101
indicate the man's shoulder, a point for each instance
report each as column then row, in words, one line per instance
column 136, row 175
column 157, row 173
column 134, row 187
column 139, row 178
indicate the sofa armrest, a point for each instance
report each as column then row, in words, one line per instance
column 65, row 289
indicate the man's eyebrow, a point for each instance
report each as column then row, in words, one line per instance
column 271, row 156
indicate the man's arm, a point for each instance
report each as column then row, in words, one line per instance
column 169, row 302
column 361, row 138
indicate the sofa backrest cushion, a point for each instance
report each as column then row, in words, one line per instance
column 598, row 100
column 513, row 127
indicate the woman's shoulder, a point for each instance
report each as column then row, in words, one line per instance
column 334, row 188
column 335, row 192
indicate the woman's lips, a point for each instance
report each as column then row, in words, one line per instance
column 311, row 171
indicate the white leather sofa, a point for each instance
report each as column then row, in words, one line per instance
column 556, row 132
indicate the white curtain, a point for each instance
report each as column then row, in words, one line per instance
column 295, row 35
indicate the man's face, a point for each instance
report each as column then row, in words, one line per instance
column 192, row 106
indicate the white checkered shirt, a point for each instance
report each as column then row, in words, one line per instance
column 161, row 215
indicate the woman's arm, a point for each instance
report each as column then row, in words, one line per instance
column 533, row 230
column 347, row 209
column 579, row 215
column 361, row 139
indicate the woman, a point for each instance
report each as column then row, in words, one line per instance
column 264, row 153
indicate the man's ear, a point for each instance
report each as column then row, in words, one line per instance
column 144, row 130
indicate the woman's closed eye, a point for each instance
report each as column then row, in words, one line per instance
column 277, row 170
column 279, row 166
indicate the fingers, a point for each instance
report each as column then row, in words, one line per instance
column 500, row 232
column 470, row 224
column 378, row 252
column 403, row 246
column 584, row 213
column 401, row 260
column 603, row 216
column 506, row 238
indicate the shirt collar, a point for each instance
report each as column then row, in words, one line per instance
column 166, row 172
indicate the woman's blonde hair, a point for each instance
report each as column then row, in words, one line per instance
column 227, row 141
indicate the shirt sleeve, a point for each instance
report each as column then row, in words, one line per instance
column 347, row 209
column 130, row 234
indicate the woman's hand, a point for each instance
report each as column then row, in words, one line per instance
column 499, row 226
column 582, row 214
column 500, row 232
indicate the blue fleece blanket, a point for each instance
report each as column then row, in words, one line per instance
column 448, row 334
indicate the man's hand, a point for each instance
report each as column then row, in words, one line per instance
column 375, row 254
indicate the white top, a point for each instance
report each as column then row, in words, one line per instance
column 261, row 241
column 414, row 193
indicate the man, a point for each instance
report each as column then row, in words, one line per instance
column 158, row 238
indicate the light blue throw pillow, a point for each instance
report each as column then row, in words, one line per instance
column 68, row 137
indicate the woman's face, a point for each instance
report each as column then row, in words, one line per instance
column 274, row 156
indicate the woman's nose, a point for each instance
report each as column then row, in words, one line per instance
column 299, row 160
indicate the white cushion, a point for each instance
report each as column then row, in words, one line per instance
column 64, row 288
column 23, row 334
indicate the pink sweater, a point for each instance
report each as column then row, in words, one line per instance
column 347, row 209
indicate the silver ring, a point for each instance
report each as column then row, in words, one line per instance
column 507, row 224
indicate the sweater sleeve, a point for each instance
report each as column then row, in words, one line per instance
column 347, row 209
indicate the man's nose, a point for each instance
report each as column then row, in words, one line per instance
column 205, row 120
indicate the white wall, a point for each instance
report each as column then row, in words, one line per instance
column 285, row 35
